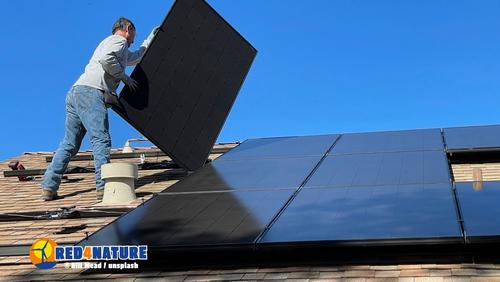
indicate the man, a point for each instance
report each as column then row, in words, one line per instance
column 86, row 111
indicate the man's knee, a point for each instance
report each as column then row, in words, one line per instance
column 69, row 147
column 103, row 140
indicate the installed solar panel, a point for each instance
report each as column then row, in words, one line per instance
column 194, row 220
column 281, row 147
column 480, row 209
column 290, row 191
column 189, row 79
column 420, row 167
column 390, row 141
column 413, row 212
column 248, row 174
column 472, row 137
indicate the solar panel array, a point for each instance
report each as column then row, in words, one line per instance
column 188, row 81
column 371, row 188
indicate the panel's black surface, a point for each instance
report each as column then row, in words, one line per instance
column 390, row 141
column 480, row 208
column 248, row 174
column 281, row 147
column 382, row 169
column 189, row 79
column 368, row 213
column 194, row 219
column 472, row 137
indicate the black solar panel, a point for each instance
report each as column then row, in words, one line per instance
column 189, row 79
column 413, row 212
column 281, row 147
column 390, row 141
column 248, row 174
column 419, row 167
column 480, row 209
column 472, row 137
column 268, row 163
column 194, row 220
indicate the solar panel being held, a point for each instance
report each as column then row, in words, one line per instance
column 188, row 81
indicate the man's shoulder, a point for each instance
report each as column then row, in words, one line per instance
column 115, row 39
column 112, row 44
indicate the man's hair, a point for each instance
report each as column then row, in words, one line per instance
column 122, row 24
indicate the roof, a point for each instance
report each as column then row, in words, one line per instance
column 78, row 190
column 344, row 273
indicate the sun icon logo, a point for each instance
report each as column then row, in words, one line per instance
column 42, row 253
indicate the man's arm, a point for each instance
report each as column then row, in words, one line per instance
column 135, row 57
column 111, row 64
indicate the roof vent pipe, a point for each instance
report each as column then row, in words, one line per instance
column 120, row 182
column 129, row 149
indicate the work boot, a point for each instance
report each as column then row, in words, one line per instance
column 49, row 195
column 99, row 194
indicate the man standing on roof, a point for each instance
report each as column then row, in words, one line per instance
column 85, row 104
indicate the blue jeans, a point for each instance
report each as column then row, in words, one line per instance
column 85, row 112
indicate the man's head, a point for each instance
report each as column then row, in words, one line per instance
column 125, row 28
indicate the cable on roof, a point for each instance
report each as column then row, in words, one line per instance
column 63, row 213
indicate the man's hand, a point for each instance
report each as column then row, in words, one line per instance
column 150, row 37
column 130, row 82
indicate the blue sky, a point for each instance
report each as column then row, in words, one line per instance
column 324, row 66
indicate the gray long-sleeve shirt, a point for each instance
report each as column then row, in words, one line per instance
column 107, row 66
